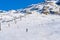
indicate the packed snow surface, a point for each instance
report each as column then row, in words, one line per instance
column 40, row 27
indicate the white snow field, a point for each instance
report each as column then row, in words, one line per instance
column 31, row 23
column 32, row 27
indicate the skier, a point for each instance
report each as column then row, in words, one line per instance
column 26, row 29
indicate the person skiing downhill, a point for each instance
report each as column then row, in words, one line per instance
column 26, row 29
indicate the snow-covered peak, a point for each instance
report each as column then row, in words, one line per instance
column 51, row 1
column 40, row 8
column 36, row 22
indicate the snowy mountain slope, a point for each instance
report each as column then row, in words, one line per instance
column 31, row 23
column 40, row 27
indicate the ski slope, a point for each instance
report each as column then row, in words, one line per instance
column 31, row 23
column 40, row 27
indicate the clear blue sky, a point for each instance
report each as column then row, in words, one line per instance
column 16, row 4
